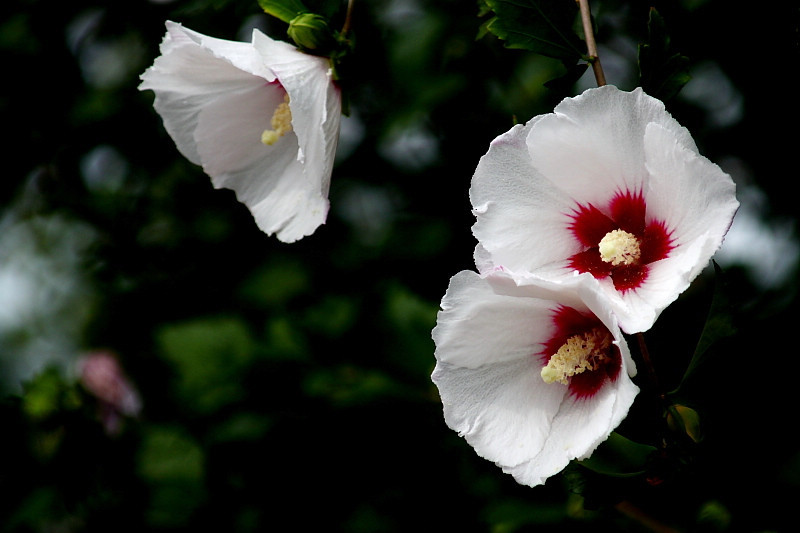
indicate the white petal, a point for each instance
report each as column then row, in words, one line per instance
column 315, row 103
column 269, row 180
column 576, row 430
column 228, row 134
column 522, row 218
column 638, row 309
column 484, row 261
column 478, row 326
column 241, row 55
column 593, row 144
column 693, row 195
column 186, row 78
column 503, row 410
column 487, row 371
column 291, row 212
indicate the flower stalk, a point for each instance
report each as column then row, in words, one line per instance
column 591, row 45
column 347, row 18
column 650, row 368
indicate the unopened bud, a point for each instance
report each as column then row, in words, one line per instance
column 685, row 420
column 310, row 31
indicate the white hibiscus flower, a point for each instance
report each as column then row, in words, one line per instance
column 261, row 118
column 530, row 373
column 609, row 184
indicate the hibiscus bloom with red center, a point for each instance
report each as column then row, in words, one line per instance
column 533, row 374
column 608, row 185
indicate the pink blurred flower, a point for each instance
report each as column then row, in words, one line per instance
column 103, row 377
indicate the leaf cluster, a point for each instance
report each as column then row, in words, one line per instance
column 554, row 29
column 662, row 72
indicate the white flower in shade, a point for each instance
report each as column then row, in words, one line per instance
column 608, row 184
column 531, row 374
column 261, row 118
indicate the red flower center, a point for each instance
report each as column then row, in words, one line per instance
column 635, row 242
column 582, row 350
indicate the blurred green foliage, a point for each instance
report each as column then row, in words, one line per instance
column 286, row 387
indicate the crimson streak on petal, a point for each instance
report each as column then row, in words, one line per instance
column 626, row 211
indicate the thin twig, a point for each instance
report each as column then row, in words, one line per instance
column 651, row 374
column 647, row 521
column 594, row 58
column 648, row 363
column 347, row 17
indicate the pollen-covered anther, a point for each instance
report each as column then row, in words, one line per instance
column 619, row 247
column 281, row 123
column 582, row 352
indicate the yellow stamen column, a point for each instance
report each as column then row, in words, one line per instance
column 619, row 247
column 580, row 353
column 281, row 123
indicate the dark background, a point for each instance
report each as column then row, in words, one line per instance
column 286, row 386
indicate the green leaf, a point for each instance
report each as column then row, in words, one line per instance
column 619, row 456
column 564, row 83
column 541, row 26
column 285, row 10
column 662, row 73
column 718, row 327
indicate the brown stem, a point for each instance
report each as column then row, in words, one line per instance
column 648, row 363
column 651, row 374
column 347, row 17
column 647, row 521
column 591, row 46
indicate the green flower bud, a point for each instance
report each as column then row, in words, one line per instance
column 685, row 420
column 310, row 31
